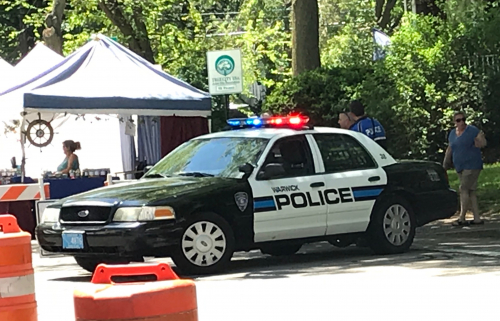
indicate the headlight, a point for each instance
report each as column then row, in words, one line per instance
column 50, row 215
column 134, row 214
column 127, row 214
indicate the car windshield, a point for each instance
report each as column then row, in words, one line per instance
column 220, row 157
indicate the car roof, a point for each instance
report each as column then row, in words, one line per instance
column 269, row 133
column 381, row 156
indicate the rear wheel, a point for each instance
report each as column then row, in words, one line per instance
column 90, row 263
column 392, row 227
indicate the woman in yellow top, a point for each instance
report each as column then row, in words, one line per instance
column 71, row 161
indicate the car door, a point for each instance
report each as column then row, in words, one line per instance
column 289, row 206
column 353, row 182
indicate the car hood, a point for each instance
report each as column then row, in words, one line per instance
column 150, row 191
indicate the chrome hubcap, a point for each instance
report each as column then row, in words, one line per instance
column 397, row 225
column 203, row 243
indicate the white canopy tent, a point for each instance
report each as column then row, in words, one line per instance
column 36, row 62
column 104, row 78
column 6, row 73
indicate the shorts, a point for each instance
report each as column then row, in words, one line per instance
column 468, row 179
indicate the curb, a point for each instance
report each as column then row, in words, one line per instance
column 490, row 228
column 480, row 253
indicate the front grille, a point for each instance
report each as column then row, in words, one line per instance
column 82, row 214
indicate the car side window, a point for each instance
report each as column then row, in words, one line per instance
column 343, row 153
column 294, row 154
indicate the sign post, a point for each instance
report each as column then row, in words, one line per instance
column 225, row 74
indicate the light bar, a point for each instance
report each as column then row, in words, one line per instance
column 257, row 122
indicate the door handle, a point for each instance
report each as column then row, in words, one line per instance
column 317, row 184
column 374, row 179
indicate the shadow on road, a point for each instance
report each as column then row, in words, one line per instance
column 433, row 254
column 352, row 260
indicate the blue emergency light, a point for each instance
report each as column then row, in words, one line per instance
column 257, row 122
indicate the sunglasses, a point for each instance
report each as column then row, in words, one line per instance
column 459, row 120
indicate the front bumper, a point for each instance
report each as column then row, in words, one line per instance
column 115, row 239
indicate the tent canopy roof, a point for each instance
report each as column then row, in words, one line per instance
column 6, row 73
column 5, row 66
column 103, row 77
column 39, row 59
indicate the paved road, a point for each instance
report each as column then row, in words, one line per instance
column 449, row 273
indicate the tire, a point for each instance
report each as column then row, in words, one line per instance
column 206, row 245
column 90, row 263
column 280, row 249
column 392, row 226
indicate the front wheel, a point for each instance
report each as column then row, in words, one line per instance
column 392, row 227
column 206, row 246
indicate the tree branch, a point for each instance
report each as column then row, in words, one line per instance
column 386, row 16
column 114, row 13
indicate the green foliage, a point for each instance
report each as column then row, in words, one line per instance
column 435, row 66
column 433, row 69
column 321, row 94
column 180, row 34
column 17, row 30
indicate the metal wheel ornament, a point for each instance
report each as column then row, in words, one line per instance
column 203, row 243
column 397, row 225
column 40, row 132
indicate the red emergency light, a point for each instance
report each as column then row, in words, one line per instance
column 296, row 121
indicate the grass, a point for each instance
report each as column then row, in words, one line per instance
column 488, row 188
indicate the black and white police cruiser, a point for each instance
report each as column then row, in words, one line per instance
column 272, row 184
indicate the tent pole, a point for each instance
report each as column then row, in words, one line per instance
column 226, row 105
column 23, row 157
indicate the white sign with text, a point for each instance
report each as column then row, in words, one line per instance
column 225, row 73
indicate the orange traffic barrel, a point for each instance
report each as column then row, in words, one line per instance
column 167, row 298
column 17, row 281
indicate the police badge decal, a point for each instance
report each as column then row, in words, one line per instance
column 241, row 199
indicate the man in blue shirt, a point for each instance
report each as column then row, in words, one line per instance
column 464, row 151
column 366, row 125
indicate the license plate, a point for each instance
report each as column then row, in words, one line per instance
column 72, row 240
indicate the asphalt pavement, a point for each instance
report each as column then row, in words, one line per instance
column 450, row 273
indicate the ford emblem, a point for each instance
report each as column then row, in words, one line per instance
column 83, row 213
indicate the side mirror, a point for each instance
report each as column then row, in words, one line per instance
column 246, row 169
column 270, row 171
column 144, row 172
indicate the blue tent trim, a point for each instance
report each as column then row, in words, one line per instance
column 69, row 103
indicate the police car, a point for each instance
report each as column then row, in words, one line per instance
column 272, row 184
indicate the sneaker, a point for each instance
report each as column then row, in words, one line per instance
column 460, row 223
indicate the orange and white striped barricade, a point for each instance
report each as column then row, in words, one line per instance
column 17, row 282
column 23, row 192
column 167, row 298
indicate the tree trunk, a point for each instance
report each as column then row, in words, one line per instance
column 52, row 34
column 305, row 36
column 385, row 19
column 23, row 40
